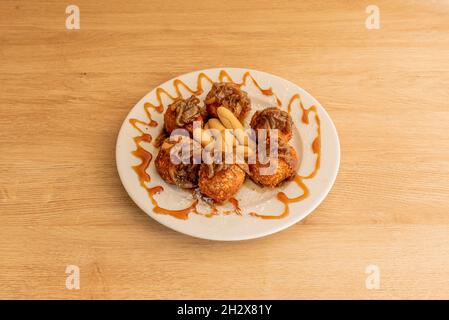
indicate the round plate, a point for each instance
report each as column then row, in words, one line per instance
column 262, row 211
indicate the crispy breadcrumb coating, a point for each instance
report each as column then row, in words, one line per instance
column 286, row 166
column 182, row 175
column 224, row 184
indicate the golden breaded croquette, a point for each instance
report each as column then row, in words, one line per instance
column 273, row 118
column 182, row 175
column 220, row 182
column 230, row 96
column 181, row 113
column 285, row 168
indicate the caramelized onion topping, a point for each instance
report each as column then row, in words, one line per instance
column 186, row 111
column 229, row 95
column 184, row 174
column 272, row 118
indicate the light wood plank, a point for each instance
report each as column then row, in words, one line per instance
column 64, row 94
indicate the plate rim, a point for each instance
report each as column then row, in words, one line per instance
column 249, row 236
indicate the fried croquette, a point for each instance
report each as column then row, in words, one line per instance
column 230, row 96
column 184, row 175
column 220, row 182
column 273, row 118
column 276, row 170
column 181, row 113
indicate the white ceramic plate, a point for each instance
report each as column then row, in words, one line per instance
column 228, row 225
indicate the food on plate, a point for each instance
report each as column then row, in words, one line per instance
column 221, row 181
column 230, row 96
column 273, row 118
column 226, row 105
column 172, row 169
column 203, row 136
column 181, row 113
column 227, row 140
column 230, row 121
column 274, row 171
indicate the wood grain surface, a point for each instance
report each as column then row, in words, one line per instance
column 64, row 94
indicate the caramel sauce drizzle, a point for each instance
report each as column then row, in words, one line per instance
column 180, row 214
column 316, row 148
column 235, row 204
column 144, row 179
column 199, row 85
column 146, row 157
column 223, row 74
column 266, row 92
column 134, row 123
column 282, row 197
column 316, row 144
column 176, row 84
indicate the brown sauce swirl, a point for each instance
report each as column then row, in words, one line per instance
column 267, row 92
column 146, row 157
column 180, row 214
column 282, row 197
column 316, row 148
column 235, row 204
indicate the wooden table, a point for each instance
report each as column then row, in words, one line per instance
column 64, row 94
